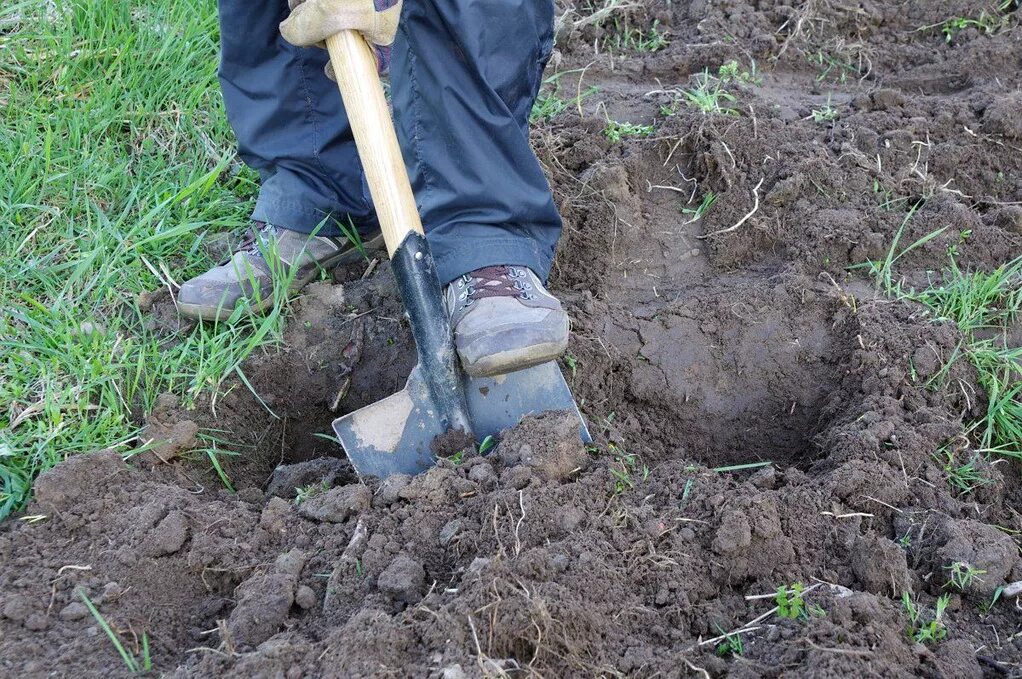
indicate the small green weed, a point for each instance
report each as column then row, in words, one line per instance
column 835, row 67
column 887, row 199
column 624, row 468
column 986, row 22
column 549, row 102
column 790, row 603
column 572, row 363
column 615, row 131
column 709, row 96
column 487, row 444
column 704, row 206
column 303, row 493
column 213, row 450
column 135, row 664
column 961, row 575
column 825, row 114
column 920, row 628
column 883, row 270
column 624, row 38
column 731, row 646
column 987, row 606
column 963, row 477
column 732, row 71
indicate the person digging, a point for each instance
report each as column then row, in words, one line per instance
column 463, row 75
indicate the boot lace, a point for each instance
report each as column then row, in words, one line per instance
column 254, row 235
column 495, row 281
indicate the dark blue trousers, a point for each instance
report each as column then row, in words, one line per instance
column 464, row 75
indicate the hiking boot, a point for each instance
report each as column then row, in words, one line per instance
column 247, row 277
column 505, row 320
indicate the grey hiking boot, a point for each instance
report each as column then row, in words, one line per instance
column 247, row 276
column 505, row 320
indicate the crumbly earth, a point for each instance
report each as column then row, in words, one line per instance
column 738, row 338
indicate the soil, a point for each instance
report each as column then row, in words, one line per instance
column 742, row 337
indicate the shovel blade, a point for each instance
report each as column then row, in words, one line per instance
column 393, row 436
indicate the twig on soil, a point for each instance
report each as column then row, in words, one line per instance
column 496, row 532
column 755, row 209
column 518, row 526
column 1014, row 589
column 842, row 651
column 578, row 93
column 849, row 515
column 480, row 656
column 370, row 269
column 72, row 567
column 881, row 502
column 695, row 668
column 649, row 189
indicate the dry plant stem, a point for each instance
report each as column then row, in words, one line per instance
column 754, row 210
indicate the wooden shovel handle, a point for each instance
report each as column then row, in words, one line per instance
column 355, row 68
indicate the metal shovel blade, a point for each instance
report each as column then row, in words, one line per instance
column 393, row 436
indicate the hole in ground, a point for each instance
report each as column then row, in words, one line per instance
column 733, row 370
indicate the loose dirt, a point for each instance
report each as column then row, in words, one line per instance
column 697, row 344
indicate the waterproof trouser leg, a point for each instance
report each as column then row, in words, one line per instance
column 464, row 76
column 289, row 123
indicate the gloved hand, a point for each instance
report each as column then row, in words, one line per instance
column 313, row 21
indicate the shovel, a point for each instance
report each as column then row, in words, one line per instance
column 396, row 435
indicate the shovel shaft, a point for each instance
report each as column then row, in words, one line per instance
column 355, row 68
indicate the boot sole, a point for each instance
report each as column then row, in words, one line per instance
column 514, row 360
column 202, row 312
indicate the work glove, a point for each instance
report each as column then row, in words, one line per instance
column 313, row 21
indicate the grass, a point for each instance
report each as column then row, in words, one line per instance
column 922, row 628
column 700, row 210
column 549, row 102
column 709, row 96
column 961, row 575
column 836, row 67
column 615, row 131
column 983, row 305
column 987, row 21
column 732, row 71
column 731, row 646
column 624, row 468
column 304, row 493
column 626, row 38
column 963, row 477
column 115, row 161
column 824, row 114
column 136, row 665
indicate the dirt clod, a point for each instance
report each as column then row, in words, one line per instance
column 337, row 504
column 168, row 536
column 403, row 580
column 324, row 472
column 881, row 566
column 548, row 444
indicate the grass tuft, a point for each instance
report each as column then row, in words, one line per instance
column 116, row 164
